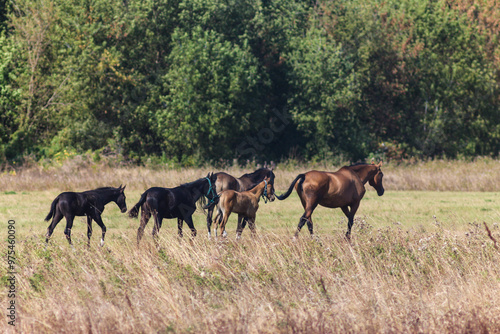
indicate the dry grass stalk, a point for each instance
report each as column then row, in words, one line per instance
column 490, row 235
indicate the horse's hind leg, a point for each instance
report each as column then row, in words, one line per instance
column 222, row 226
column 145, row 215
column 306, row 218
column 217, row 221
column 158, row 220
column 69, row 226
column 55, row 220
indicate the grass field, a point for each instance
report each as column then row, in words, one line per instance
column 420, row 260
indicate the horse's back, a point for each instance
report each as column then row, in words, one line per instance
column 333, row 189
column 225, row 182
column 71, row 203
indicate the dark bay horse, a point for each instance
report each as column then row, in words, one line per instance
column 342, row 189
column 88, row 203
column 225, row 181
column 179, row 202
column 245, row 204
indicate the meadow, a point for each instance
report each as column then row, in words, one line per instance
column 420, row 259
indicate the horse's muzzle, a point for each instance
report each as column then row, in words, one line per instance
column 124, row 210
column 380, row 192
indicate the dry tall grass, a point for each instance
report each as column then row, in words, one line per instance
column 80, row 174
column 418, row 262
column 386, row 281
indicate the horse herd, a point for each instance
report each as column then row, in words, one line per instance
column 344, row 188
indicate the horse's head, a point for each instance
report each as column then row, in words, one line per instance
column 209, row 189
column 376, row 180
column 269, row 190
column 120, row 200
column 271, row 177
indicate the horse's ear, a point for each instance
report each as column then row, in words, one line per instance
column 124, row 187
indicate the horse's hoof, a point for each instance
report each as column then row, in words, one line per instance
column 102, row 243
column 224, row 234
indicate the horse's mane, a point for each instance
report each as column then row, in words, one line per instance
column 255, row 185
column 192, row 183
column 104, row 189
column 101, row 190
column 358, row 164
column 254, row 176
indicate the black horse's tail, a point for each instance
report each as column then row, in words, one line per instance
column 300, row 177
column 213, row 202
column 134, row 212
column 52, row 209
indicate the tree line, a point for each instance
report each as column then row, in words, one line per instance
column 197, row 81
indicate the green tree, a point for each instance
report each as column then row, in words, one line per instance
column 214, row 97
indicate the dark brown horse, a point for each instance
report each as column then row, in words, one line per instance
column 342, row 189
column 245, row 204
column 247, row 181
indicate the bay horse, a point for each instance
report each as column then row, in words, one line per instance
column 341, row 189
column 247, row 181
column 88, row 203
column 245, row 204
column 179, row 202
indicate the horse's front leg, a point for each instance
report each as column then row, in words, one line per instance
column 350, row 217
column 189, row 222
column 217, row 221
column 89, row 229
column 251, row 225
column 240, row 226
column 180, row 222
column 99, row 222
column 210, row 214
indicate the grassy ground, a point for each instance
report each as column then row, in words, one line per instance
column 419, row 261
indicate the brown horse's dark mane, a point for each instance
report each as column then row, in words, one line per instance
column 254, row 176
column 359, row 164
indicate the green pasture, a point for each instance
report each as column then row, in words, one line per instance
column 419, row 210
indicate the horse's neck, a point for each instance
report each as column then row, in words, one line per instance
column 365, row 173
column 258, row 190
column 105, row 197
column 196, row 190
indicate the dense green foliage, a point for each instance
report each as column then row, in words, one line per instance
column 196, row 81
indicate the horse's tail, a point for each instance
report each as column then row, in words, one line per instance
column 134, row 212
column 52, row 209
column 300, row 177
